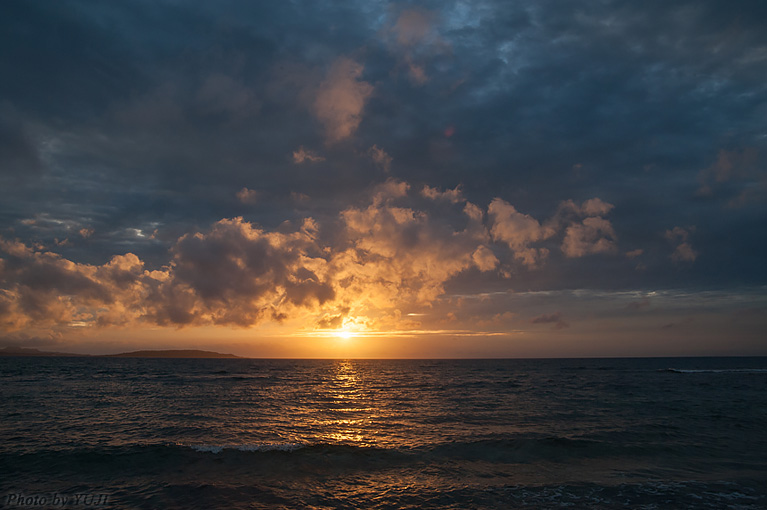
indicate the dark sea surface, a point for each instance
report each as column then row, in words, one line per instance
column 240, row 433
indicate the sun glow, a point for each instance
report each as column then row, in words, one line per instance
column 345, row 335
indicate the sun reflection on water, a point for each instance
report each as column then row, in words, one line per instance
column 347, row 410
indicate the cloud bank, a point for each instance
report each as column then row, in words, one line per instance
column 396, row 251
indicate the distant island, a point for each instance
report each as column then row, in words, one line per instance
column 171, row 353
column 174, row 353
column 24, row 351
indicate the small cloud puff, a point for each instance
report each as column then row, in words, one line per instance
column 341, row 98
column 484, row 259
column 380, row 158
column 585, row 231
column 518, row 231
column 247, row 196
column 302, row 155
column 451, row 195
column 590, row 235
column 683, row 251
column 415, row 41
column 551, row 318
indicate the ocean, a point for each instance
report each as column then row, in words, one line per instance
column 383, row 434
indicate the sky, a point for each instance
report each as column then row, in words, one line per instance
column 374, row 179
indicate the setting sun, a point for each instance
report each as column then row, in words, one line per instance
column 345, row 335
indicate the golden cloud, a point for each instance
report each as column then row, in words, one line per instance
column 394, row 252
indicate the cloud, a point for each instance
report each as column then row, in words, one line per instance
column 46, row 223
column 742, row 170
column 237, row 274
column 40, row 289
column 247, row 196
column 415, row 41
column 585, row 231
column 518, row 231
column 595, row 207
column 511, row 91
column 405, row 254
column 590, row 235
column 331, row 321
column 728, row 165
column 683, row 251
column 454, row 195
column 569, row 211
column 376, row 259
column 302, row 155
column 380, row 158
column 234, row 274
column 341, row 99
column 551, row 318
column 484, row 259
column 390, row 190
column 413, row 27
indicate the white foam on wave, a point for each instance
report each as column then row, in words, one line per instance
column 256, row 447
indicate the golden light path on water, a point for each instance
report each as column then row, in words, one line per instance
column 350, row 412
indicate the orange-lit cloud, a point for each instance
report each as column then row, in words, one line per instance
column 302, row 155
column 519, row 231
column 401, row 257
column 592, row 235
column 381, row 266
column 41, row 289
column 247, row 196
column 588, row 232
column 453, row 195
column 341, row 99
column 238, row 275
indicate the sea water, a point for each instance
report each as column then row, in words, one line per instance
column 242, row 433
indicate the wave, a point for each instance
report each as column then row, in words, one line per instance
column 522, row 449
column 715, row 370
column 256, row 447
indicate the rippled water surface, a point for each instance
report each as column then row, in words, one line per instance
column 162, row 433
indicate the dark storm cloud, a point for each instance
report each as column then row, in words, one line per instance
column 144, row 121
